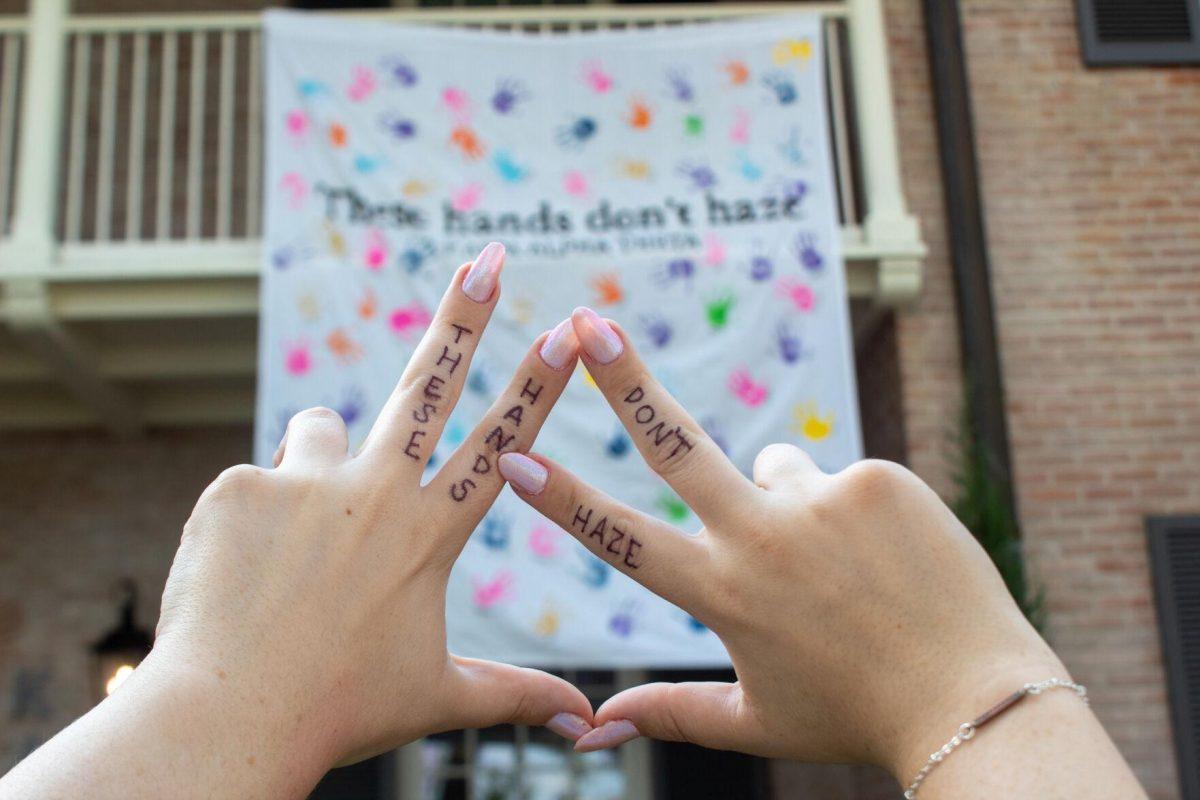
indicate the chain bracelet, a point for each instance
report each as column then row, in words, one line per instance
column 967, row 730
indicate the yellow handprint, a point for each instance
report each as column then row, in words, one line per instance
column 810, row 424
column 791, row 50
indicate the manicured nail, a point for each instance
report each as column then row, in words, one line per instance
column 523, row 472
column 481, row 278
column 560, row 346
column 597, row 336
column 610, row 734
column 568, row 726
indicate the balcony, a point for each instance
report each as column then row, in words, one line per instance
column 130, row 183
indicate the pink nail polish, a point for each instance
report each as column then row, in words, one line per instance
column 610, row 734
column 523, row 472
column 597, row 336
column 568, row 726
column 481, row 279
column 560, row 346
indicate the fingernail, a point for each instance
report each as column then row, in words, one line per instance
column 481, row 278
column 560, row 346
column 568, row 726
column 610, row 734
column 523, row 472
column 597, row 336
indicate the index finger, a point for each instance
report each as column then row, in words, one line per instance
column 670, row 441
column 412, row 420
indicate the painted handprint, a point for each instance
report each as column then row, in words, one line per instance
column 680, row 86
column 297, row 124
column 375, row 253
column 788, row 343
column 714, row 250
column 809, row 423
column 640, row 116
column 798, row 293
column 410, row 320
column 362, row 84
column 807, row 254
column 464, row 139
column 738, row 72
column 717, row 310
column 491, row 592
column 701, row 176
column 575, row 183
column 344, row 349
column 750, row 392
column 608, row 289
column 509, row 92
column 295, row 189
column 467, row 198
column 739, row 131
column 544, row 540
column 596, row 78
column 657, row 329
column 495, row 531
column 297, row 358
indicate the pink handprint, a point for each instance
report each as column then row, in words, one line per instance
column 375, row 256
column 596, row 78
column 362, row 84
column 490, row 593
column 714, row 250
column 297, row 124
column 746, row 389
column 799, row 293
column 543, row 541
column 409, row 319
column 739, row 132
column 467, row 198
column 297, row 358
column 295, row 188
column 575, row 183
column 456, row 100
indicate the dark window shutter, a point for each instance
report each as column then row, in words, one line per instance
column 1175, row 562
column 1124, row 32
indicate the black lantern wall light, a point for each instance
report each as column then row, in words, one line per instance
column 120, row 650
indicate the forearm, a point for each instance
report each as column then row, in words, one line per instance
column 170, row 734
column 1049, row 745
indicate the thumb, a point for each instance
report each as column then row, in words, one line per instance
column 487, row 693
column 713, row 715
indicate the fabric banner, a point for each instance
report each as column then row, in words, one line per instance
column 677, row 180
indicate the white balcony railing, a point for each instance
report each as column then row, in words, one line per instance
column 159, row 133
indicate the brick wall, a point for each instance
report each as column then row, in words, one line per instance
column 1092, row 187
column 81, row 512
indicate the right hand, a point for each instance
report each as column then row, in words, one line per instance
column 861, row 617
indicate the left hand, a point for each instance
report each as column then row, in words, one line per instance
column 303, row 622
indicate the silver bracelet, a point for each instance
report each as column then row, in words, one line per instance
column 967, row 729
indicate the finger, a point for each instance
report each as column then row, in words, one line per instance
column 316, row 437
column 487, row 693
column 469, row 481
column 411, row 421
column 662, row 558
column 713, row 715
column 784, row 465
column 668, row 438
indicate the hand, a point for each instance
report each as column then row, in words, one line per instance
column 856, row 609
column 303, row 622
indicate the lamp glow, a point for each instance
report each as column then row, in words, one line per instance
column 119, row 677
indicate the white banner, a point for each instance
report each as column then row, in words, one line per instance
column 677, row 180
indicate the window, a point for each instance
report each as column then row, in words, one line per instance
column 1123, row 32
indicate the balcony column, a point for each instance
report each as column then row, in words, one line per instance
column 887, row 221
column 32, row 244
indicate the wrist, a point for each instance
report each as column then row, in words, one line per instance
column 963, row 700
column 254, row 738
